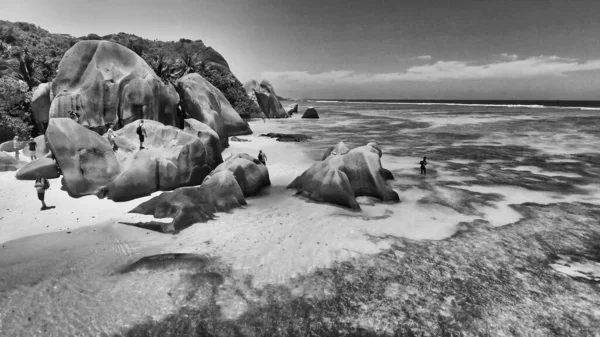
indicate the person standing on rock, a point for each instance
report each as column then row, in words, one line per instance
column 262, row 157
column 110, row 134
column 32, row 146
column 74, row 116
column 423, row 164
column 41, row 185
column 141, row 131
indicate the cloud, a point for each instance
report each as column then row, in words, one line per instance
column 510, row 67
column 423, row 57
column 509, row 57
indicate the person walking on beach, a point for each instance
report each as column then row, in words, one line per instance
column 141, row 131
column 423, row 164
column 32, row 146
column 262, row 157
column 41, row 185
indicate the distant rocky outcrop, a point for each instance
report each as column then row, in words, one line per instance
column 266, row 98
column 292, row 109
column 250, row 173
column 339, row 179
column 107, row 83
column 287, row 137
column 310, row 113
column 171, row 158
column 188, row 205
column 202, row 101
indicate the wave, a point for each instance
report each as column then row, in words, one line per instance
column 530, row 106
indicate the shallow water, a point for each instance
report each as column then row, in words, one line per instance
column 481, row 160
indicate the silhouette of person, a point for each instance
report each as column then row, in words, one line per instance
column 423, row 164
column 41, row 185
column 32, row 147
column 141, row 131
column 262, row 157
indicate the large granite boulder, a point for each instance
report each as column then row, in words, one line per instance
column 40, row 104
column 339, row 179
column 188, row 205
column 310, row 113
column 250, row 173
column 106, row 83
column 339, row 149
column 266, row 98
column 8, row 162
column 204, row 102
column 171, row 158
column 208, row 137
column 9, row 146
column 44, row 167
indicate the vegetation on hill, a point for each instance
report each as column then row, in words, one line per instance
column 30, row 55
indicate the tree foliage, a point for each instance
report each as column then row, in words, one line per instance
column 15, row 101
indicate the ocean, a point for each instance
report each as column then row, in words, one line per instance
column 491, row 165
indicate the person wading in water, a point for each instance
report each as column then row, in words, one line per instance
column 141, row 131
column 423, row 164
column 41, row 185
column 262, row 157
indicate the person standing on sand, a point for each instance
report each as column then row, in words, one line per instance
column 262, row 157
column 16, row 146
column 141, row 131
column 32, row 146
column 41, row 185
column 423, row 164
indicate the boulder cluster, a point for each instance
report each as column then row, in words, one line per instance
column 101, row 85
column 345, row 174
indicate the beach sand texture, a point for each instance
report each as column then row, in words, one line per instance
column 66, row 260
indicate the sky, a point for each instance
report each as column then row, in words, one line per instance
column 402, row 49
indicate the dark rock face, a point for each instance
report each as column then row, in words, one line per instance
column 171, row 158
column 249, row 172
column 310, row 113
column 339, row 179
column 202, row 101
column 106, row 83
column 188, row 205
column 237, row 139
column 287, row 137
column 266, row 98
